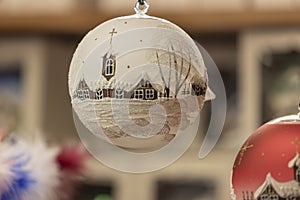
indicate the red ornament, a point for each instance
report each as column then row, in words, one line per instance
column 72, row 158
column 267, row 166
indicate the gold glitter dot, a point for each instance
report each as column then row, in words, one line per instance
column 262, row 154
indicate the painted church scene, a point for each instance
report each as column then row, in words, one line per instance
column 142, row 90
column 271, row 189
column 169, row 80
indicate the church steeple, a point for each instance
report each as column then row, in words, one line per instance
column 109, row 60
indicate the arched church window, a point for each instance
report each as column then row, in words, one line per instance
column 109, row 67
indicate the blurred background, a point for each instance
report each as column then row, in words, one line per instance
column 255, row 44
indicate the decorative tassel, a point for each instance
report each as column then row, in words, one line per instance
column 5, row 172
column 15, row 176
column 33, row 173
column 21, row 181
column 71, row 160
column 44, row 170
column 37, row 172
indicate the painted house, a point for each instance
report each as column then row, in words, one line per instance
column 274, row 190
column 83, row 90
column 144, row 90
column 199, row 87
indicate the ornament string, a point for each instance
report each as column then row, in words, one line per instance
column 141, row 2
column 141, row 7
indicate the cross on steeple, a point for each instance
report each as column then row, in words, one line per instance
column 243, row 151
column 296, row 142
column 112, row 34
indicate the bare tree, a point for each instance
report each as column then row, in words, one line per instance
column 166, row 86
column 181, row 73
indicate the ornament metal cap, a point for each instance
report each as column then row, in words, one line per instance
column 139, row 4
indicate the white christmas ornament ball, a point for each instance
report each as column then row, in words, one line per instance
column 137, row 82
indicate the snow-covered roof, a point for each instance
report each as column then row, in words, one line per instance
column 144, row 76
column 282, row 189
column 104, row 84
column 295, row 161
column 82, row 82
